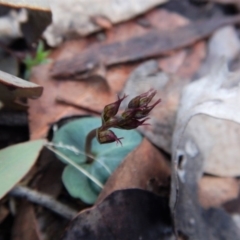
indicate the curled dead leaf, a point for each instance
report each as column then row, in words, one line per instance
column 14, row 89
column 143, row 168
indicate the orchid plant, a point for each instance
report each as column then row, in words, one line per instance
column 91, row 154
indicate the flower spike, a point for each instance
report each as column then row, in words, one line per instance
column 130, row 119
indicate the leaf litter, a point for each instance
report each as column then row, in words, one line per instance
column 182, row 180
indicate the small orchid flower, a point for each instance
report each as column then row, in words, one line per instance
column 111, row 109
column 131, row 123
column 144, row 111
column 142, row 100
column 130, row 119
column 107, row 136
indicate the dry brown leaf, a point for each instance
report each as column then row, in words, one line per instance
column 45, row 112
column 213, row 191
column 144, row 168
column 173, row 62
column 3, row 213
column 233, row 206
column 102, row 22
column 119, row 33
column 48, row 178
column 13, row 89
column 151, row 44
column 25, row 224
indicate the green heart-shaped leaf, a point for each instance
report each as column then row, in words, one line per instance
column 71, row 141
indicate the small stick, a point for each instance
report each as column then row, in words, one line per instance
column 44, row 200
column 67, row 102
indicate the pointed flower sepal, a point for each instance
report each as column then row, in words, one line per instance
column 107, row 136
column 111, row 109
column 144, row 111
column 142, row 100
column 129, row 124
column 130, row 113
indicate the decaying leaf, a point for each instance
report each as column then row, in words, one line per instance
column 151, row 44
column 78, row 16
column 46, row 111
column 215, row 191
column 218, row 101
column 32, row 4
column 217, row 139
column 127, row 214
column 10, row 25
column 14, row 89
column 3, row 213
column 218, row 142
column 224, row 42
column 144, row 168
column 25, row 225
column 48, row 179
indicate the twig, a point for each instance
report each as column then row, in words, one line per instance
column 43, row 200
column 67, row 102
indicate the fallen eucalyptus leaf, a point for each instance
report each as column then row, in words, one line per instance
column 218, row 142
column 10, row 25
column 84, row 180
column 144, row 168
column 25, row 223
column 223, row 42
column 13, row 89
column 32, row 4
column 16, row 161
column 78, row 16
column 215, row 191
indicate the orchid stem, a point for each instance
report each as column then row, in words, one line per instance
column 88, row 145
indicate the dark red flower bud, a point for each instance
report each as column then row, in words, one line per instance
column 112, row 122
column 107, row 136
column 144, row 111
column 111, row 109
column 130, row 112
column 132, row 123
column 142, row 100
